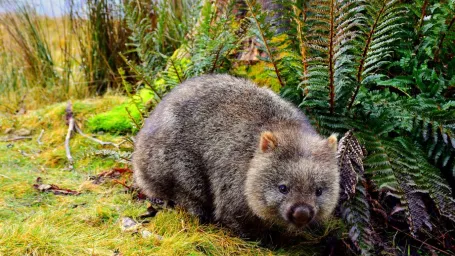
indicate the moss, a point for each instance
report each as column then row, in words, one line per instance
column 122, row 119
column 116, row 120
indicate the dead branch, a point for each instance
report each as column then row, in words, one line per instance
column 40, row 136
column 16, row 138
column 53, row 188
column 78, row 130
column 70, row 121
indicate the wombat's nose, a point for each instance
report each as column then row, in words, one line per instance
column 302, row 214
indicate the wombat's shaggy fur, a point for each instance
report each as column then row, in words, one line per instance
column 229, row 151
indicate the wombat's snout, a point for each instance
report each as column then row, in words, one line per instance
column 301, row 214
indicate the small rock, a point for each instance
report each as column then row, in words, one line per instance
column 117, row 253
column 9, row 130
column 129, row 224
column 44, row 187
column 23, row 132
column 147, row 234
column 21, row 111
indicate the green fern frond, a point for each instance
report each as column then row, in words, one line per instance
column 357, row 216
column 157, row 30
column 263, row 33
column 400, row 166
column 332, row 30
column 383, row 24
column 214, row 39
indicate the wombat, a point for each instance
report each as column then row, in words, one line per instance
column 231, row 152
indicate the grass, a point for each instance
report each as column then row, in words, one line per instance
column 37, row 223
column 50, row 59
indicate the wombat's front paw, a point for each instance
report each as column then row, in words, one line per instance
column 160, row 204
column 203, row 216
column 156, row 202
column 156, row 205
column 204, row 219
column 151, row 212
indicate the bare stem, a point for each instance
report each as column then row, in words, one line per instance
column 39, row 137
column 104, row 143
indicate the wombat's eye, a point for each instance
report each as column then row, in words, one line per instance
column 283, row 189
column 318, row 191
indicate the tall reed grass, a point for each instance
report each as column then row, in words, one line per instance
column 50, row 59
column 90, row 50
column 102, row 36
column 30, row 67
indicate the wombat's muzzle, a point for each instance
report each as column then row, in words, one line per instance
column 301, row 214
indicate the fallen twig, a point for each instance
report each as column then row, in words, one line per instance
column 6, row 177
column 112, row 174
column 16, row 138
column 420, row 241
column 70, row 121
column 40, row 136
column 23, row 153
column 78, row 130
column 123, row 183
column 138, row 126
column 121, row 142
column 53, row 188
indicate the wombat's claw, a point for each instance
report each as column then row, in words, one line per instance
column 156, row 201
column 161, row 204
column 204, row 219
column 243, row 235
column 151, row 212
column 170, row 204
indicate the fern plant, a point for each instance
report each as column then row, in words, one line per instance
column 380, row 68
column 214, row 38
column 157, row 31
column 187, row 39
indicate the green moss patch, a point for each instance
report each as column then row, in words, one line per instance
column 119, row 120
column 122, row 119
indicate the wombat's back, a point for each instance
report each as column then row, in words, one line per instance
column 221, row 100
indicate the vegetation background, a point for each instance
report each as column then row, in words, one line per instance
column 382, row 69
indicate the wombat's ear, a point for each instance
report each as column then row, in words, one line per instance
column 268, row 141
column 332, row 141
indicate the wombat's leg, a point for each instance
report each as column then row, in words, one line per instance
column 160, row 204
column 246, row 229
column 156, row 205
column 198, row 211
column 151, row 212
column 194, row 202
column 192, row 189
column 233, row 224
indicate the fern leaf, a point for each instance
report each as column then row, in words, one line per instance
column 350, row 155
column 331, row 45
column 263, row 34
column 383, row 26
